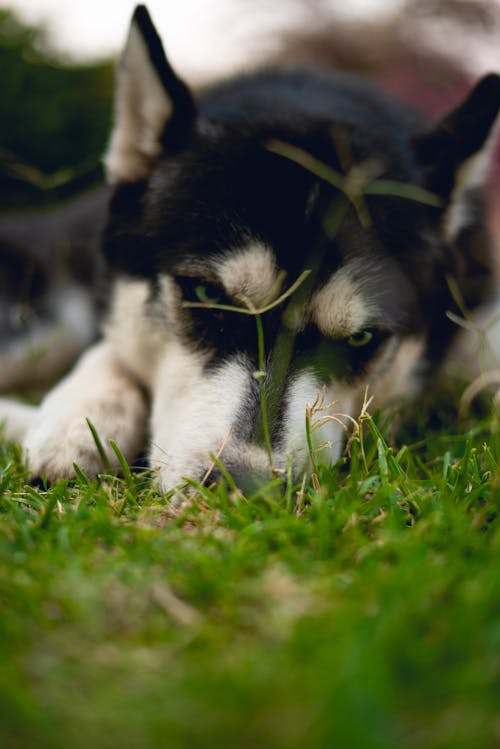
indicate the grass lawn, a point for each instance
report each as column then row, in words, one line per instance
column 365, row 613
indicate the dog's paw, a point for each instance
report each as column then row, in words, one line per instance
column 52, row 453
column 59, row 440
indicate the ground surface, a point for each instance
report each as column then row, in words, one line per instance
column 361, row 613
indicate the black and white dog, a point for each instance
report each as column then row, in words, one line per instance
column 214, row 201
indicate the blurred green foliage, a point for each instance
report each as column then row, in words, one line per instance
column 54, row 118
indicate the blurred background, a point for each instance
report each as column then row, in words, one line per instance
column 56, row 63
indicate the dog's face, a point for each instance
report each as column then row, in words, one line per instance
column 223, row 203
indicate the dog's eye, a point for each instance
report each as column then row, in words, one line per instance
column 207, row 293
column 195, row 290
column 340, row 358
column 361, row 338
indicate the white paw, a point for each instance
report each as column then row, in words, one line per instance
column 52, row 452
column 58, row 440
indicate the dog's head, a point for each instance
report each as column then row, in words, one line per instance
column 223, row 201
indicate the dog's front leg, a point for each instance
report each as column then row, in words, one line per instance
column 98, row 389
column 195, row 414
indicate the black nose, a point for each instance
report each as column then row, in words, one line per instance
column 250, row 484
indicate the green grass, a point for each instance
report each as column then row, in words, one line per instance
column 365, row 614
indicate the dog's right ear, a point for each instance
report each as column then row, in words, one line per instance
column 154, row 108
column 457, row 152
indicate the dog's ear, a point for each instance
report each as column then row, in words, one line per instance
column 154, row 108
column 456, row 153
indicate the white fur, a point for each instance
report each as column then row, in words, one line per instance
column 139, row 338
column 458, row 214
column 141, row 110
column 194, row 408
column 328, row 434
column 100, row 389
column 16, row 418
column 193, row 413
column 250, row 271
column 402, row 377
column 341, row 307
column 470, row 175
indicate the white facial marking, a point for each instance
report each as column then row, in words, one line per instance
column 340, row 308
column 250, row 271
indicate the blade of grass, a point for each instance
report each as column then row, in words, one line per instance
column 81, row 476
column 125, row 468
column 100, row 447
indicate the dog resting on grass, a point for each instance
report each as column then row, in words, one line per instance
column 289, row 235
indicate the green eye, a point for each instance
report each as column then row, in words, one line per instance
column 360, row 339
column 204, row 294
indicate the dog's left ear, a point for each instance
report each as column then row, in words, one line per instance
column 456, row 153
column 154, row 108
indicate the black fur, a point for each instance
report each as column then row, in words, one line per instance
column 220, row 186
column 185, row 109
column 254, row 176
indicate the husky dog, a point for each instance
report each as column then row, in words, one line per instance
column 331, row 210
